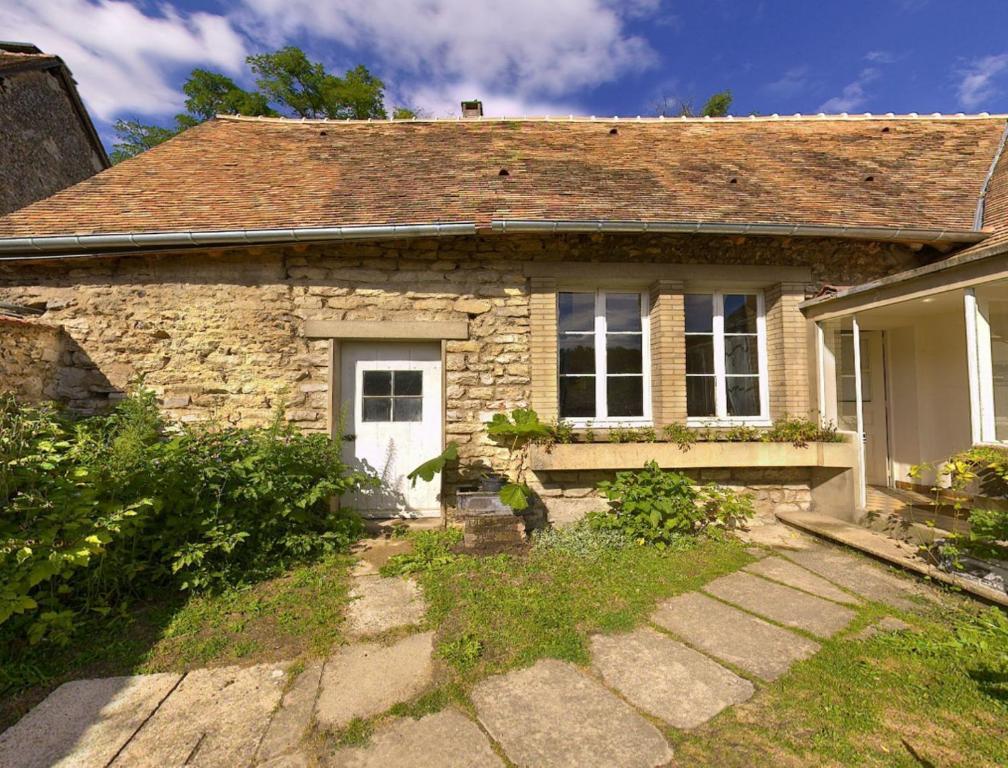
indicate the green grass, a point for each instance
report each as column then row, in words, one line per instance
column 299, row 614
column 497, row 613
column 906, row 699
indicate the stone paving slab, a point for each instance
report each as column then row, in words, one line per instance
column 84, row 723
column 860, row 577
column 736, row 637
column 551, row 715
column 215, row 717
column 378, row 604
column 367, row 678
column 665, row 678
column 447, row 739
column 291, row 721
column 781, row 604
column 779, row 569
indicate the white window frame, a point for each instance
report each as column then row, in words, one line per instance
column 601, row 371
column 721, row 417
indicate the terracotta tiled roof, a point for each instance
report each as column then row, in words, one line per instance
column 235, row 173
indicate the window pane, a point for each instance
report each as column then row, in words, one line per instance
column 407, row 409
column 699, row 313
column 623, row 312
column 699, row 395
column 625, row 395
column 577, row 396
column 577, row 354
column 576, row 312
column 377, row 382
column 376, row 409
column 998, row 318
column 739, row 313
column 743, row 395
column 699, row 354
column 741, row 354
column 623, row 354
column 408, row 383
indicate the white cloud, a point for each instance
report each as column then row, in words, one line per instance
column 853, row 96
column 791, row 83
column 443, row 100
column 121, row 57
column 979, row 80
column 526, row 51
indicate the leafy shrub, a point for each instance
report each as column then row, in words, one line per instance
column 800, row 432
column 100, row 509
column 655, row 506
column 431, row 550
column 580, row 540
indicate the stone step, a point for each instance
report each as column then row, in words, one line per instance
column 665, row 678
column 84, row 723
column 551, row 715
column 379, row 604
column 365, row 679
column 733, row 636
column 447, row 739
column 786, row 572
column 781, row 604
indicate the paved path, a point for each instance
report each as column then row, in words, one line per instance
column 705, row 651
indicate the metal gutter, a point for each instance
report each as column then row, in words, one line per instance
column 978, row 217
column 898, row 234
column 33, row 247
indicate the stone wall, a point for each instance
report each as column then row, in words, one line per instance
column 45, row 147
column 30, row 358
column 566, row 497
column 219, row 334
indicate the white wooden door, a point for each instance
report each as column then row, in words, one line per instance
column 391, row 393
column 873, row 402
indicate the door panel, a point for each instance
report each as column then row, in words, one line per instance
column 391, row 396
column 874, row 408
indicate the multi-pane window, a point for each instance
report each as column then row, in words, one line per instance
column 392, row 396
column 724, row 356
column 603, row 356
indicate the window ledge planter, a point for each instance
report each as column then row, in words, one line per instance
column 564, row 457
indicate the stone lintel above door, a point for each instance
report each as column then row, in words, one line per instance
column 399, row 330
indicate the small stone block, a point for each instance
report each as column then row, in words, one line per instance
column 551, row 715
column 665, row 678
column 733, row 636
column 291, row 721
column 782, row 604
column 447, row 739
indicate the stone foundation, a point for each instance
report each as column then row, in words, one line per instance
column 566, row 497
column 30, row 357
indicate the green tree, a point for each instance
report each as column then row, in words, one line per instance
column 287, row 83
column 289, row 79
column 717, row 105
column 134, row 137
column 211, row 93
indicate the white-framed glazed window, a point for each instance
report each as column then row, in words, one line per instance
column 987, row 329
column 604, row 365
column 726, row 358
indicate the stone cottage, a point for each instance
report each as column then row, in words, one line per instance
column 398, row 283
column 47, row 139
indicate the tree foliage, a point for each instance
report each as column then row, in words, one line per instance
column 717, row 105
column 287, row 83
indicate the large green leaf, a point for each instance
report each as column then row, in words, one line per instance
column 523, row 424
column 428, row 469
column 515, row 495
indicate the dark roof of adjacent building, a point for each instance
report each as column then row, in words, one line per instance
column 21, row 57
column 891, row 172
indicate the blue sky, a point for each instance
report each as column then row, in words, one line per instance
column 535, row 57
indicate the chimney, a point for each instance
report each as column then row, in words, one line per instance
column 473, row 108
